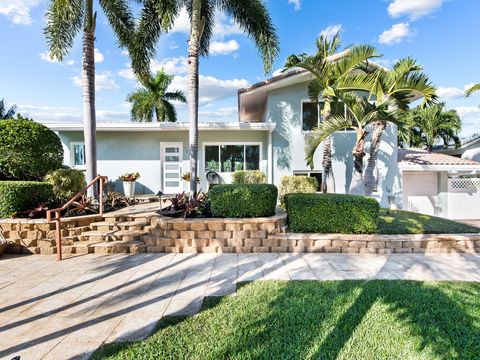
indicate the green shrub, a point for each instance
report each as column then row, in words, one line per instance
column 66, row 183
column 28, row 150
column 332, row 213
column 18, row 196
column 243, row 200
column 249, row 177
column 296, row 185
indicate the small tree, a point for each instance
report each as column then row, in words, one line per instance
column 154, row 99
column 6, row 113
column 28, row 150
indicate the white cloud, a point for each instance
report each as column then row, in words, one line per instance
column 396, row 34
column 297, row 4
column 173, row 66
column 124, row 53
column 210, row 88
column 182, row 22
column 331, row 30
column 18, row 11
column 46, row 57
column 228, row 113
column 449, row 93
column 223, row 47
column 414, row 9
column 173, row 45
column 62, row 114
column 470, row 116
column 103, row 81
column 98, row 56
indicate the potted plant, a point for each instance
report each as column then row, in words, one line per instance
column 186, row 178
column 129, row 183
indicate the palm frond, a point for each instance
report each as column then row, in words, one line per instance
column 121, row 19
column 63, row 20
column 176, row 96
column 355, row 57
column 472, row 89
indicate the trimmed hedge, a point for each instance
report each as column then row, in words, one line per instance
column 296, row 185
column 332, row 213
column 28, row 150
column 249, row 177
column 243, row 200
column 66, row 183
column 16, row 196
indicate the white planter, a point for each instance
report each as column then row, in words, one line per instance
column 129, row 188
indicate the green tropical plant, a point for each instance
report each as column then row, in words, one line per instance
column 28, row 150
column 360, row 114
column 331, row 71
column 153, row 100
column 157, row 15
column 296, row 185
column 6, row 113
column 66, row 183
column 64, row 20
column 404, row 83
column 434, row 123
column 472, row 89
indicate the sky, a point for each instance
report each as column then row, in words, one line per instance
column 441, row 34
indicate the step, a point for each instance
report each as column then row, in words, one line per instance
column 117, row 247
column 133, row 225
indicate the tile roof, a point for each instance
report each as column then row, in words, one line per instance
column 422, row 157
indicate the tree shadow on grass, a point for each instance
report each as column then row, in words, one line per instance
column 322, row 320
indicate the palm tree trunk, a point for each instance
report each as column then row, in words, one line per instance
column 193, row 65
column 369, row 179
column 357, row 186
column 328, row 183
column 88, row 90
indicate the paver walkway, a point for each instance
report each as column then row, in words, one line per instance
column 65, row 310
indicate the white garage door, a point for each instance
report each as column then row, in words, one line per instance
column 420, row 192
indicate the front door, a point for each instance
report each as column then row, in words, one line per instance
column 171, row 154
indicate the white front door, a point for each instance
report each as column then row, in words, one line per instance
column 171, row 154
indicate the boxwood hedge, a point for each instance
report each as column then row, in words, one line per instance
column 243, row 200
column 331, row 213
column 16, row 196
column 249, row 177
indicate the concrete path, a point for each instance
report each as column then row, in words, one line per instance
column 65, row 310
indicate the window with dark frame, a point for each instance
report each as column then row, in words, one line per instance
column 229, row 158
column 315, row 174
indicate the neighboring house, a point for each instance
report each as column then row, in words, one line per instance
column 274, row 118
column 470, row 149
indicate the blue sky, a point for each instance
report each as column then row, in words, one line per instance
column 441, row 34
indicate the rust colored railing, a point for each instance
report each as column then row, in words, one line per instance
column 101, row 180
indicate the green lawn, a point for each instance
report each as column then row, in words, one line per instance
column 406, row 222
column 322, row 320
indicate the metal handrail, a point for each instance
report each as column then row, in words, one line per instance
column 58, row 212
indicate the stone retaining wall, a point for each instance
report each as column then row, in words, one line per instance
column 213, row 235
column 26, row 235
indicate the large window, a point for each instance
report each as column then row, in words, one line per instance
column 78, row 154
column 311, row 113
column 230, row 158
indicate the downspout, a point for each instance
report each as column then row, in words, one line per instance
column 270, row 157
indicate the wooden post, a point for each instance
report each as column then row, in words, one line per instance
column 100, row 195
column 58, row 235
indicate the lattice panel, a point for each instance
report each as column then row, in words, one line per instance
column 463, row 185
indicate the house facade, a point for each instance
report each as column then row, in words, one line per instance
column 274, row 118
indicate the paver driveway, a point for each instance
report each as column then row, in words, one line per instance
column 65, row 310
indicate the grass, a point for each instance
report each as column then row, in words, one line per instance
column 322, row 320
column 406, row 222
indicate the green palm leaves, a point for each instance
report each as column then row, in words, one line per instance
column 152, row 100
column 472, row 89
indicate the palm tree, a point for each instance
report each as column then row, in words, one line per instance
column 153, row 98
column 4, row 113
column 359, row 114
column 157, row 15
column 472, row 89
column 403, row 83
column 64, row 20
column 331, row 72
column 434, row 123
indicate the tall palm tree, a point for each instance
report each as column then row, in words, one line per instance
column 6, row 113
column 154, row 99
column 359, row 114
column 404, row 83
column 435, row 123
column 157, row 15
column 64, row 20
column 331, row 71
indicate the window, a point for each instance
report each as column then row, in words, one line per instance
column 78, row 154
column 316, row 174
column 229, row 158
column 310, row 115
